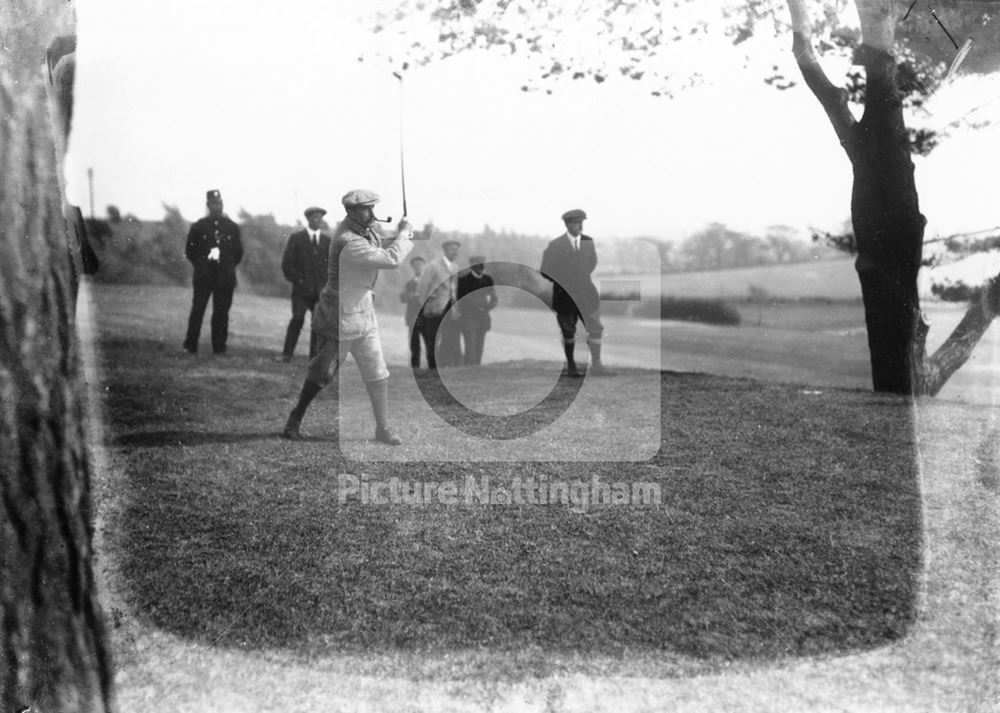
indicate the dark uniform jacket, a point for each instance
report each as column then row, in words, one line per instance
column 304, row 265
column 480, row 297
column 209, row 233
column 570, row 271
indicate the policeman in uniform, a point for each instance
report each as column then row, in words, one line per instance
column 568, row 262
column 214, row 249
column 304, row 265
column 344, row 321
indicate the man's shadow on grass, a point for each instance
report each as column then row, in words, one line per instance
column 157, row 439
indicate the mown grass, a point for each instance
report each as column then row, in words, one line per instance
column 789, row 527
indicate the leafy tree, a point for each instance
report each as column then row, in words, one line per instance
column 263, row 244
column 896, row 66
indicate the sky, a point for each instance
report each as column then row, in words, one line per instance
column 268, row 103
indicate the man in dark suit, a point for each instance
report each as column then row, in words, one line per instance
column 214, row 249
column 410, row 296
column 304, row 265
column 568, row 262
column 478, row 297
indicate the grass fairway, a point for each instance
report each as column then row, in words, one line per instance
column 788, row 535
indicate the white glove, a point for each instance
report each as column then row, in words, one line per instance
column 213, row 254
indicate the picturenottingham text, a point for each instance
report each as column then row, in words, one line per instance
column 480, row 490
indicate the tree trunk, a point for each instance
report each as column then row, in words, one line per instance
column 885, row 211
column 888, row 227
column 53, row 640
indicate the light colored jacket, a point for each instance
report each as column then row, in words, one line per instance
column 438, row 286
column 346, row 308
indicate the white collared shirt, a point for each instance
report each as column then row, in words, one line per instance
column 314, row 236
column 453, row 280
column 574, row 240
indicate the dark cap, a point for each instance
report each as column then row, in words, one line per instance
column 575, row 214
column 213, row 194
column 314, row 209
column 446, row 243
column 417, row 258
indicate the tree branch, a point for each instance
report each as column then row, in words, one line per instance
column 833, row 99
column 957, row 349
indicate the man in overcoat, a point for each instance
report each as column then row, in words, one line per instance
column 568, row 261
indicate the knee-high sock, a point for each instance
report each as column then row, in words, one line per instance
column 378, row 394
column 568, row 346
column 595, row 353
column 309, row 391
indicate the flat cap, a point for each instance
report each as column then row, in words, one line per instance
column 359, row 196
column 477, row 259
column 575, row 214
column 314, row 209
column 446, row 243
column 213, row 194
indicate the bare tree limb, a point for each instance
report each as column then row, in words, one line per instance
column 957, row 349
column 833, row 99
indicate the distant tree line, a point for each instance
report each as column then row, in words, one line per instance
column 134, row 251
column 718, row 247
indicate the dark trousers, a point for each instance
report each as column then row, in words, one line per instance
column 450, row 344
column 300, row 305
column 416, row 334
column 474, row 336
column 222, row 300
column 429, row 331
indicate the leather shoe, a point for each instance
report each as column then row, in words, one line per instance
column 601, row 370
column 384, row 435
column 291, row 431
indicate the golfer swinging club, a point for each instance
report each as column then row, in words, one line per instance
column 344, row 321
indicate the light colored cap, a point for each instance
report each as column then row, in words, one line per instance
column 359, row 196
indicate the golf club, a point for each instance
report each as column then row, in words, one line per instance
column 402, row 166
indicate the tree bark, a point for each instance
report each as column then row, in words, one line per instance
column 53, row 645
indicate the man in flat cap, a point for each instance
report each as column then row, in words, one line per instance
column 568, row 262
column 214, row 249
column 411, row 298
column 475, row 289
column 304, row 265
column 344, row 321
column 438, row 291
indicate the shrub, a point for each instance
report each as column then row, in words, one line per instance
column 708, row 311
